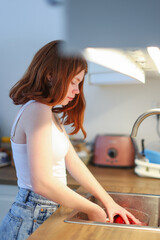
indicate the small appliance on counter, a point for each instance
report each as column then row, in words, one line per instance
column 114, row 151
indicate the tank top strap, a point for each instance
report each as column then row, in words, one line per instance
column 18, row 117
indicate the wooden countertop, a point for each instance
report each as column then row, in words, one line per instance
column 116, row 180
column 8, row 175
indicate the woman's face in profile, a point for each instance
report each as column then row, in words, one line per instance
column 73, row 88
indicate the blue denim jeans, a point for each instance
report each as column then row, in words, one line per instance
column 27, row 213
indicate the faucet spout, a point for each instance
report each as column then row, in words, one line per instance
column 155, row 111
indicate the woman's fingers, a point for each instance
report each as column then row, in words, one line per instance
column 126, row 216
column 111, row 218
column 133, row 218
column 126, row 220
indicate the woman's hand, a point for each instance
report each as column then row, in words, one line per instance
column 97, row 214
column 114, row 209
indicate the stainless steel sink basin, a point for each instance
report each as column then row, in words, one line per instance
column 145, row 203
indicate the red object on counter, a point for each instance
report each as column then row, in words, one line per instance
column 119, row 219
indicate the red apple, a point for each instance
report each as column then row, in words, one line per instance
column 119, row 219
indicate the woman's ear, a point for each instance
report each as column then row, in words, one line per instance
column 49, row 76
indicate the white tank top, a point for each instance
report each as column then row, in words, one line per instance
column 60, row 149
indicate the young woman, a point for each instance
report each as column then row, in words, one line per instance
column 41, row 148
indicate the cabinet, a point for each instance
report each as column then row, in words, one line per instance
column 100, row 76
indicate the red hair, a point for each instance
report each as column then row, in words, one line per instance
column 34, row 85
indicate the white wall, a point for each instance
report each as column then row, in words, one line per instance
column 25, row 26
column 114, row 109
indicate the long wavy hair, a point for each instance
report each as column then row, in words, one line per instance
column 34, row 85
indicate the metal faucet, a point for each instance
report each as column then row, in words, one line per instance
column 155, row 111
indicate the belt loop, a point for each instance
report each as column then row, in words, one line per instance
column 26, row 195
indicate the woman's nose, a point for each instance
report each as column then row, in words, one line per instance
column 76, row 90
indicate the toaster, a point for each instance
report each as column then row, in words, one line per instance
column 114, row 151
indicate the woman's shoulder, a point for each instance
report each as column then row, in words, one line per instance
column 38, row 107
column 37, row 111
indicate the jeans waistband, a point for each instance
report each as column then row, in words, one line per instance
column 25, row 195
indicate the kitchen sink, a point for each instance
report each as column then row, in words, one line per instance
column 145, row 207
